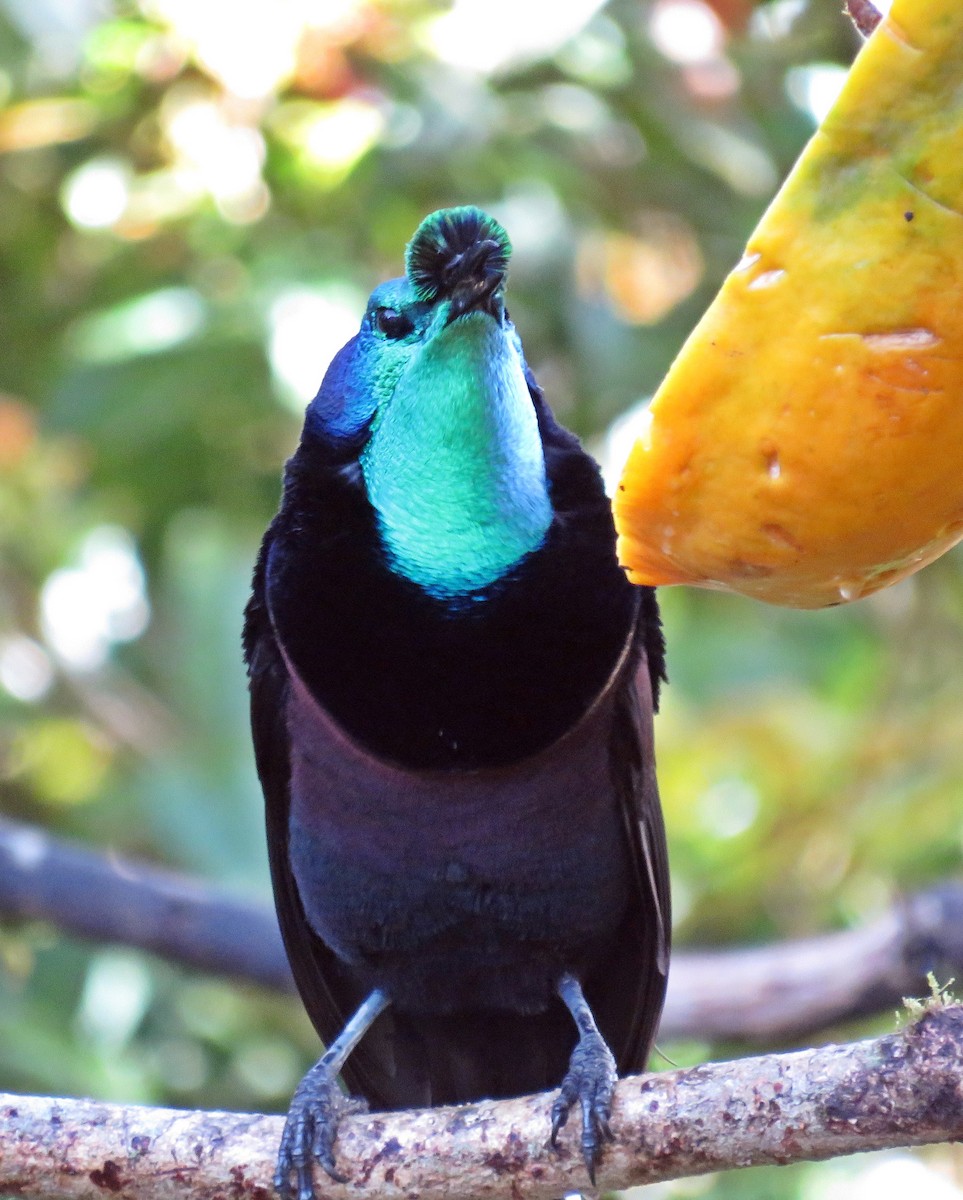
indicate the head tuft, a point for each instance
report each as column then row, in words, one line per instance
column 454, row 250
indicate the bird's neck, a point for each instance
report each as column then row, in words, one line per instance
column 455, row 469
column 411, row 676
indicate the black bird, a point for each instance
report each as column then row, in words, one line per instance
column 452, row 687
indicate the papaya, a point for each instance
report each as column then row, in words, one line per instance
column 806, row 446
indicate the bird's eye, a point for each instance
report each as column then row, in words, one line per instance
column 391, row 323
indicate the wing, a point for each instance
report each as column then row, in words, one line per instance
column 627, row 991
column 328, row 990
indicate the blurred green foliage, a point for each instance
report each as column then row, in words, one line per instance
column 194, row 201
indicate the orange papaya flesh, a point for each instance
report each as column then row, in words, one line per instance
column 806, row 447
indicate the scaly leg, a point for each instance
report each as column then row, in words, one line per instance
column 590, row 1079
column 316, row 1107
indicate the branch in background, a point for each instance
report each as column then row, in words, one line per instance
column 900, row 1090
column 110, row 899
column 765, row 994
column 789, row 990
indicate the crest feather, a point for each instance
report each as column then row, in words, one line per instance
column 453, row 247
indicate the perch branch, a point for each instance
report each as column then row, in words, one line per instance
column 777, row 992
column 900, row 1090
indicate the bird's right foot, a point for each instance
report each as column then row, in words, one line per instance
column 309, row 1133
column 316, row 1108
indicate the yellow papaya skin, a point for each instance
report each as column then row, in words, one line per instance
column 806, row 447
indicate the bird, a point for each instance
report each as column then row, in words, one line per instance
column 452, row 689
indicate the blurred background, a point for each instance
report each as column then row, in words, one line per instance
column 195, row 198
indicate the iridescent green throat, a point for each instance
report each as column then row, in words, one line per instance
column 454, row 465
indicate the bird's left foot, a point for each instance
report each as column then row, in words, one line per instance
column 590, row 1081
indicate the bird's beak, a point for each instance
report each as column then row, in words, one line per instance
column 480, row 289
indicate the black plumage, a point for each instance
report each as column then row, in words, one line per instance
column 462, row 809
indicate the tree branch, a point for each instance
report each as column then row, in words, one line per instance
column 770, row 993
column 790, row 990
column 900, row 1090
column 108, row 898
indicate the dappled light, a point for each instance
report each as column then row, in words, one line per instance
column 197, row 196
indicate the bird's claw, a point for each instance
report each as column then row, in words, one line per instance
column 590, row 1081
column 309, row 1134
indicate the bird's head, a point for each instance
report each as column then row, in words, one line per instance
column 451, row 296
column 431, row 395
